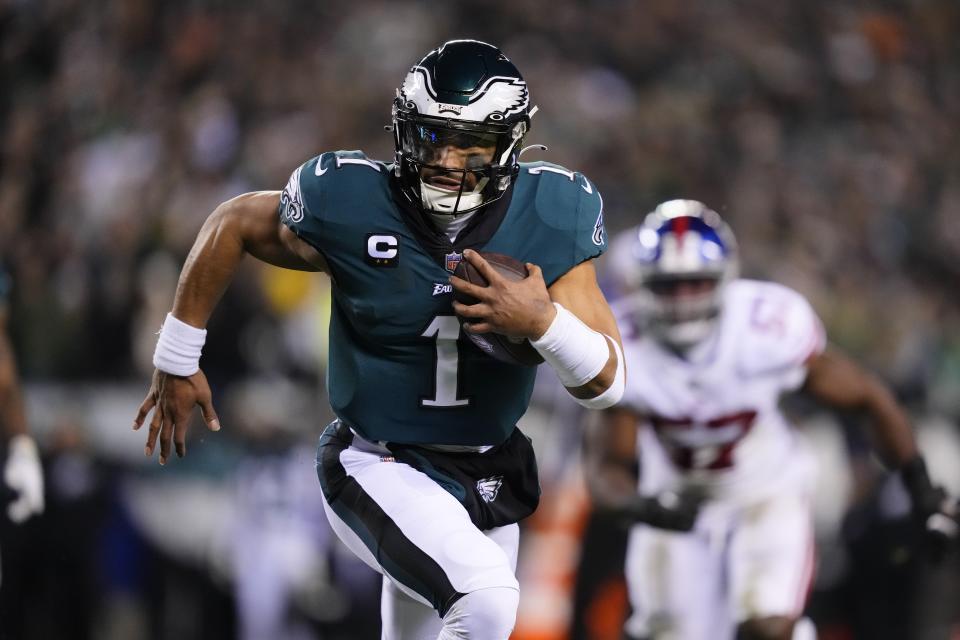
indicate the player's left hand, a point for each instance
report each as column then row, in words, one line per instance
column 669, row 511
column 520, row 309
column 932, row 508
column 23, row 474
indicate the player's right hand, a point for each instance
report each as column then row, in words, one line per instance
column 172, row 399
column 516, row 308
column 669, row 511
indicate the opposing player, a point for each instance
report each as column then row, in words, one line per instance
column 424, row 472
column 22, row 473
column 724, row 547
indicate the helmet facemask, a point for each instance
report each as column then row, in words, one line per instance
column 683, row 311
column 452, row 167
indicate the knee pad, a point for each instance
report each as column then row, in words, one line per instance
column 484, row 614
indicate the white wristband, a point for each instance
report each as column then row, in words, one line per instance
column 575, row 351
column 178, row 347
column 614, row 392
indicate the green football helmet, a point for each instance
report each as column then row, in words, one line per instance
column 458, row 121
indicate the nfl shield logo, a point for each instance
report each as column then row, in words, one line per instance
column 453, row 259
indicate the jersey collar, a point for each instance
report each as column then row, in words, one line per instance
column 474, row 236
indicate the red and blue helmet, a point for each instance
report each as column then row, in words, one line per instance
column 672, row 270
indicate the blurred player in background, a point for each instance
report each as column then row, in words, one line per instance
column 22, row 481
column 22, row 473
column 724, row 544
column 424, row 473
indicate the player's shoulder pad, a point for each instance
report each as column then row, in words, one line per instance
column 569, row 201
column 327, row 178
column 778, row 328
column 336, row 170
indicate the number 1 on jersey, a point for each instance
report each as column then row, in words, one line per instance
column 447, row 330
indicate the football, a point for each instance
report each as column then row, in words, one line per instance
column 512, row 350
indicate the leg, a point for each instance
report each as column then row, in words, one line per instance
column 769, row 628
column 489, row 612
column 675, row 583
column 484, row 613
column 404, row 525
column 779, row 627
column 404, row 617
column 772, row 568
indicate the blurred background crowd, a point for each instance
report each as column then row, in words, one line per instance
column 825, row 131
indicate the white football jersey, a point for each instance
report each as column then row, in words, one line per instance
column 712, row 418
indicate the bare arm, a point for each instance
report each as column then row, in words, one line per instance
column 610, row 458
column 612, row 470
column 578, row 291
column 246, row 224
column 525, row 308
column 839, row 382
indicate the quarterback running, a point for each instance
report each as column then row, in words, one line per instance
column 424, row 472
column 723, row 547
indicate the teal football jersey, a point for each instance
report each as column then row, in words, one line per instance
column 400, row 369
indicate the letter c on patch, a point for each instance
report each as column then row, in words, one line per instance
column 382, row 247
column 383, row 250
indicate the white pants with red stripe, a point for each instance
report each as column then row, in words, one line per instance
column 740, row 562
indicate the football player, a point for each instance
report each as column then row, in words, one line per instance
column 424, row 473
column 21, row 485
column 724, row 544
column 22, row 472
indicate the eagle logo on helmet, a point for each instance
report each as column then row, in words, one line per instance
column 496, row 99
